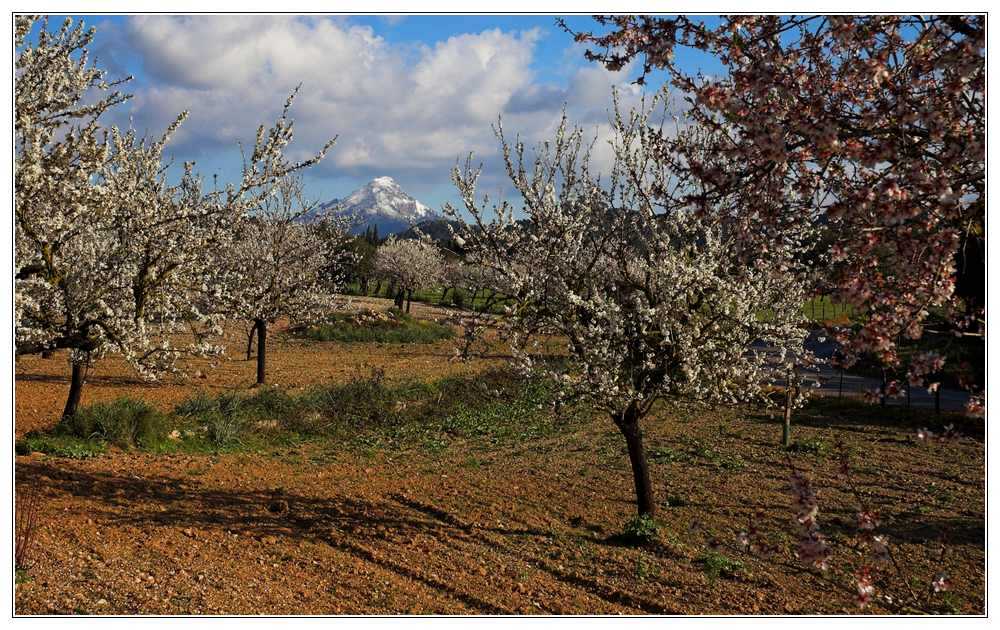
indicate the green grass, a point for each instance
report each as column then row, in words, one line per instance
column 125, row 422
column 460, row 297
column 68, row 446
column 402, row 328
column 812, row 447
column 716, row 565
column 823, row 308
column 366, row 414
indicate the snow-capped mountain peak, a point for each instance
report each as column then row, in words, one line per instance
column 383, row 197
column 380, row 203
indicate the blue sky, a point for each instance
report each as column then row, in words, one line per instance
column 406, row 95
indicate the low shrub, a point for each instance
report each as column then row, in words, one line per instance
column 124, row 422
column 716, row 565
column 641, row 530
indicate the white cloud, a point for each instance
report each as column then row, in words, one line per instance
column 397, row 109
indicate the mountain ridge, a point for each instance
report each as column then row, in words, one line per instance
column 381, row 203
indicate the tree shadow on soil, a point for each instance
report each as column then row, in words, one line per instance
column 348, row 524
column 106, row 381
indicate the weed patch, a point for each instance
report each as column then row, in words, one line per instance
column 396, row 327
column 126, row 423
column 68, row 446
column 715, row 565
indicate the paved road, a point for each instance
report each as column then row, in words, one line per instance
column 855, row 385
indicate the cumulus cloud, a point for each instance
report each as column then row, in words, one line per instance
column 404, row 110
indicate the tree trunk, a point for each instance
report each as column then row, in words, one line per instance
column 261, row 327
column 253, row 329
column 409, row 299
column 628, row 424
column 399, row 299
column 791, row 393
column 786, row 431
column 75, row 388
column 444, row 294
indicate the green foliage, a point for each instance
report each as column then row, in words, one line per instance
column 59, row 446
column 716, row 565
column 812, row 447
column 667, row 455
column 722, row 460
column 401, row 328
column 125, row 422
column 641, row 530
column 676, row 501
column 645, row 570
column 366, row 413
column 823, row 309
column 225, row 427
column 497, row 414
column 196, row 405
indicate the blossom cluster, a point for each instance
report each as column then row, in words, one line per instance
column 653, row 299
column 110, row 255
column 875, row 123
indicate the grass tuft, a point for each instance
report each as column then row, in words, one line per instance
column 125, row 422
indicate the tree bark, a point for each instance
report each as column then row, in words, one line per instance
column 399, row 299
column 253, row 329
column 786, row 431
column 628, row 424
column 75, row 388
column 791, row 393
column 261, row 327
column 409, row 299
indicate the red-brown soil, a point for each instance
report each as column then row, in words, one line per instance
column 520, row 529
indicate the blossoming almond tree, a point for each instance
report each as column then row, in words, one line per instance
column 276, row 266
column 409, row 265
column 110, row 255
column 877, row 123
column 652, row 300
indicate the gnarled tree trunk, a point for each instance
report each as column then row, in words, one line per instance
column 628, row 423
column 75, row 389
